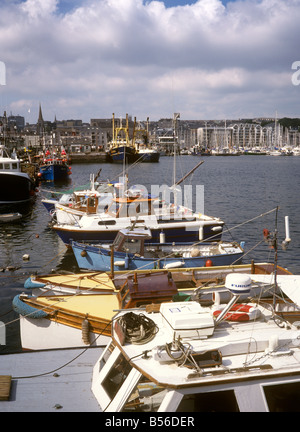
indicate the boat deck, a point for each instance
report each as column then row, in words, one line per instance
column 67, row 389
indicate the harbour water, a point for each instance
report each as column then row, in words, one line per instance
column 237, row 189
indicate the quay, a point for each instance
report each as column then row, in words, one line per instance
column 92, row 157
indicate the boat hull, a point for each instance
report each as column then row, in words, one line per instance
column 39, row 334
column 151, row 157
column 21, row 188
column 118, row 154
column 108, row 233
column 54, row 172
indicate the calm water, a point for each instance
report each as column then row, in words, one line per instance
column 236, row 189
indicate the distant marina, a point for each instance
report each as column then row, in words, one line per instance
column 150, row 140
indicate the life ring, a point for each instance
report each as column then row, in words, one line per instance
column 240, row 313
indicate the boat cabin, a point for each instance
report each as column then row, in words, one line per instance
column 131, row 241
column 131, row 206
column 142, row 289
column 9, row 165
column 124, row 388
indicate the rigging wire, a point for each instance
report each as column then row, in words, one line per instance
column 65, row 364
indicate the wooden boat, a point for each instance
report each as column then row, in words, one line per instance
column 130, row 251
column 59, row 321
column 190, row 358
column 55, row 315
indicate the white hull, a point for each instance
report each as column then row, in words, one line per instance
column 39, row 334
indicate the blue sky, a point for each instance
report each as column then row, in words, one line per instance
column 211, row 59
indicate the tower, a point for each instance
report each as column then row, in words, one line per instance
column 40, row 127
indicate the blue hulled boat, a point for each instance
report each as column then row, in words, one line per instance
column 54, row 168
column 131, row 250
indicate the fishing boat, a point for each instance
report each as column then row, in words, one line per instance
column 16, row 185
column 175, row 223
column 54, row 167
column 60, row 310
column 130, row 251
column 121, row 150
column 236, row 357
column 146, row 154
column 145, row 151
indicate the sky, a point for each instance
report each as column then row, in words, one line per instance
column 204, row 59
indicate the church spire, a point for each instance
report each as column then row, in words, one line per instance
column 40, row 122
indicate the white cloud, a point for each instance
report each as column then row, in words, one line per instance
column 39, row 8
column 140, row 57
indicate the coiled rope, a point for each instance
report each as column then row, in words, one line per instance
column 138, row 329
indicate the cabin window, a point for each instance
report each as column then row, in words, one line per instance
column 108, row 222
column 132, row 246
column 145, row 397
column 1, row 165
column 221, row 401
column 107, row 353
column 283, row 397
column 116, row 377
column 14, row 166
column 7, row 166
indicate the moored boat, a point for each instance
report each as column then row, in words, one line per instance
column 54, row 167
column 237, row 356
column 176, row 223
column 59, row 321
column 146, row 151
column 16, row 185
column 121, row 150
column 61, row 309
column 130, row 251
column 10, row 217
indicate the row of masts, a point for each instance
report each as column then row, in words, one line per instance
column 247, row 136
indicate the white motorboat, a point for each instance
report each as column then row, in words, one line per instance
column 174, row 223
column 189, row 358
